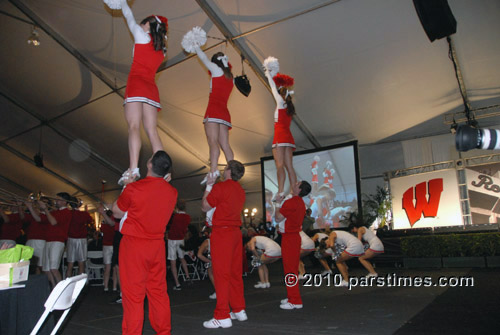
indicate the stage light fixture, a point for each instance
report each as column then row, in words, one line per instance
column 469, row 137
column 34, row 37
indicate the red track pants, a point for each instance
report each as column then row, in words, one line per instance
column 226, row 251
column 290, row 253
column 143, row 272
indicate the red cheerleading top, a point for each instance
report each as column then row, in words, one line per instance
column 108, row 233
column 229, row 198
column 37, row 230
column 294, row 211
column 149, row 203
column 141, row 86
column 59, row 232
column 11, row 230
column 179, row 226
column 217, row 102
column 282, row 134
column 78, row 224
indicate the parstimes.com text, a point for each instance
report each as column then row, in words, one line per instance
column 388, row 280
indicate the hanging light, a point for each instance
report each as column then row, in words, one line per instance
column 254, row 211
column 34, row 37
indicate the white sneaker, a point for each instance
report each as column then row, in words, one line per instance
column 326, row 272
column 344, row 283
column 212, row 174
column 204, row 179
column 301, row 277
column 290, row 306
column 134, row 174
column 240, row 316
column 284, row 301
column 372, row 275
column 268, row 285
column 214, row 323
column 125, row 176
column 213, row 296
column 261, row 285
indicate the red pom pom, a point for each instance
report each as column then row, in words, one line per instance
column 282, row 80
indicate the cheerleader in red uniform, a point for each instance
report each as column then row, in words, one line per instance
column 217, row 119
column 283, row 143
column 142, row 100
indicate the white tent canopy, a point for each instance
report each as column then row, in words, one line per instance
column 363, row 70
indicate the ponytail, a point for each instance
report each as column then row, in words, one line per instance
column 158, row 31
column 227, row 70
column 290, row 108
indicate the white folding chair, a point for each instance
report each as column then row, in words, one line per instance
column 192, row 269
column 95, row 271
column 62, row 297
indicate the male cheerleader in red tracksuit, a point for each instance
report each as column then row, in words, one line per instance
column 226, row 245
column 290, row 215
column 149, row 203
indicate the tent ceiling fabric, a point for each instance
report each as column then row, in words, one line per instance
column 363, row 70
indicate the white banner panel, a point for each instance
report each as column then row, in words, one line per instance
column 484, row 193
column 426, row 200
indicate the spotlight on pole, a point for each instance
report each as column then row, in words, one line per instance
column 469, row 137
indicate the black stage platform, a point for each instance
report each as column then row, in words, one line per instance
column 327, row 310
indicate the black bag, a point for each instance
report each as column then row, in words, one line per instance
column 243, row 84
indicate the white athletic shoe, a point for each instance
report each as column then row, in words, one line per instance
column 372, row 275
column 125, row 176
column 240, row 316
column 268, row 285
column 326, row 272
column 214, row 323
column 261, row 285
column 290, row 306
column 344, row 283
column 134, row 174
column 284, row 301
column 301, row 277
column 213, row 296
column 216, row 174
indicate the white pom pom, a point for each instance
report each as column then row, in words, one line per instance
column 194, row 37
column 272, row 65
column 113, row 4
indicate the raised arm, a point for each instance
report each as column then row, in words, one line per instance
column 272, row 84
column 107, row 219
column 43, row 208
column 213, row 68
column 140, row 36
column 277, row 213
column 34, row 213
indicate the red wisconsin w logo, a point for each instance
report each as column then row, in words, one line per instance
column 422, row 206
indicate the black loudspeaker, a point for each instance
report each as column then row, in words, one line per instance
column 436, row 18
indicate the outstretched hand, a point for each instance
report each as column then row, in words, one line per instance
column 211, row 178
